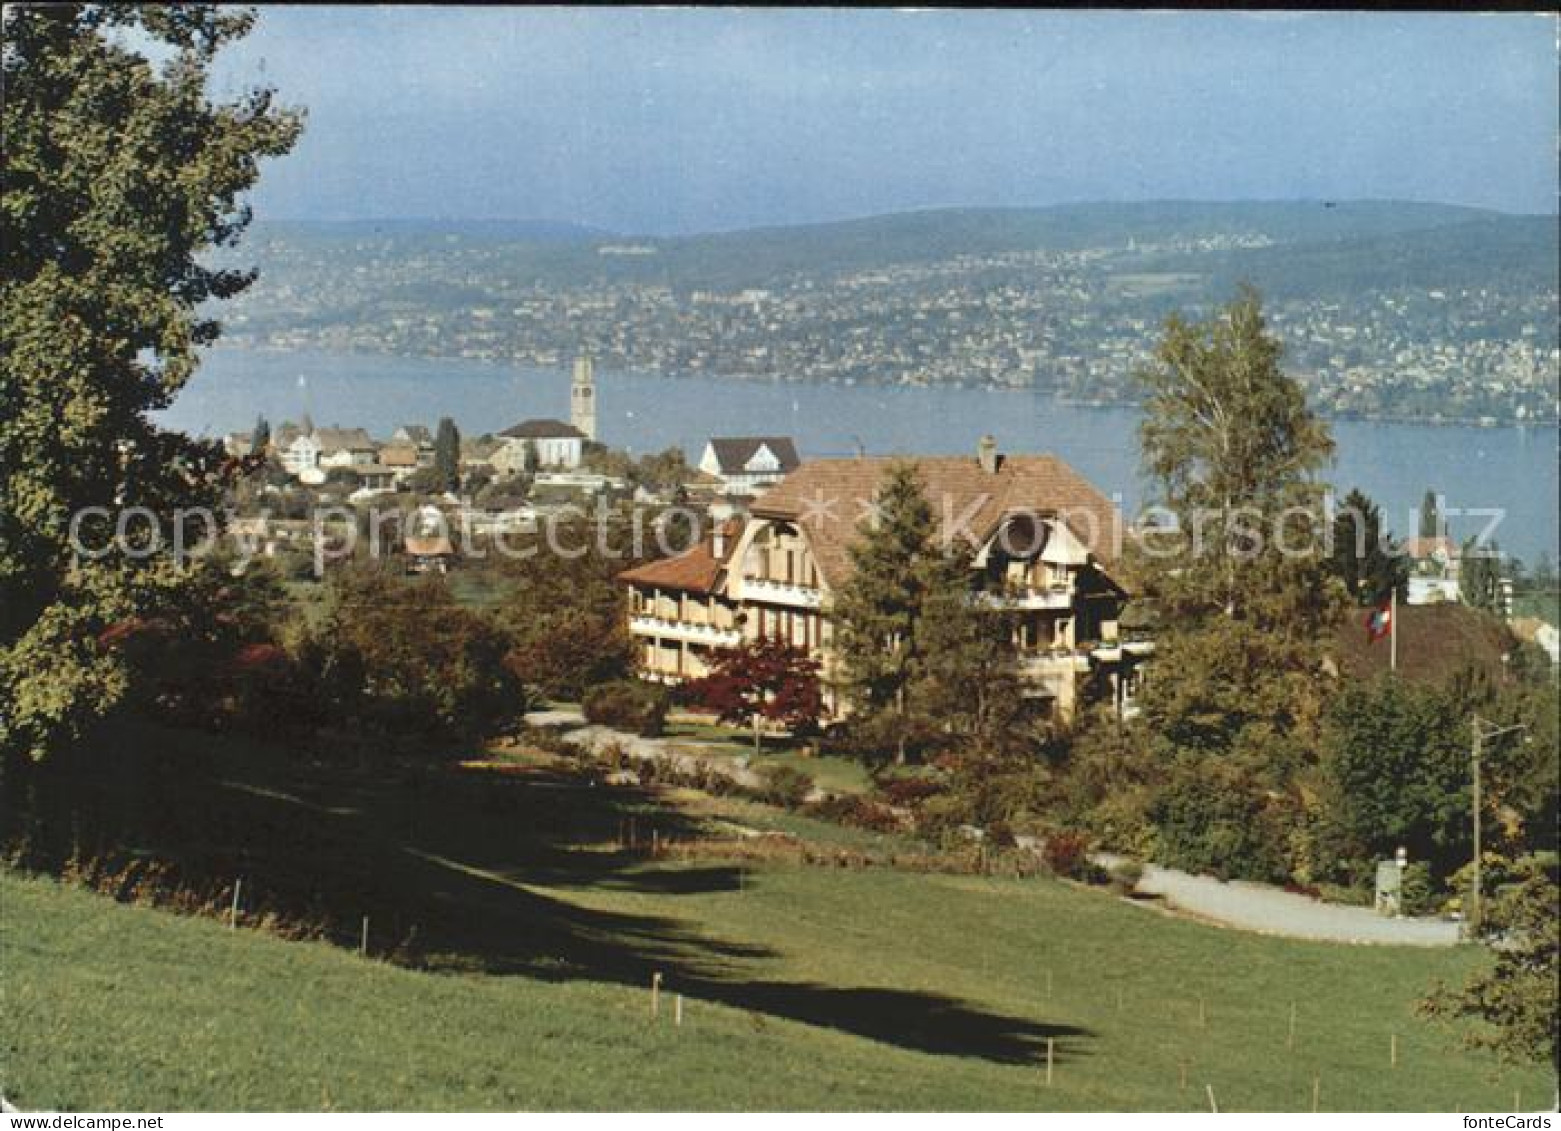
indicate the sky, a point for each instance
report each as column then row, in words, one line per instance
column 670, row 121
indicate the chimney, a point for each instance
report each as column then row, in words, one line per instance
column 986, row 454
column 718, row 541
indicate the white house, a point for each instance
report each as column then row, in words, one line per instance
column 539, row 443
column 747, row 465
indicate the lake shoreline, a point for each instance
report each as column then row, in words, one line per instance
column 1437, row 421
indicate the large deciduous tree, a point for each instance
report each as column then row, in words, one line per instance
column 1233, row 453
column 120, row 175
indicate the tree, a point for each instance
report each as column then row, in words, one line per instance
column 903, row 595
column 260, row 438
column 1514, row 1001
column 120, row 177
column 1396, row 771
column 1479, row 576
column 1240, row 581
column 1431, row 524
column 1364, row 556
column 764, row 679
column 447, row 455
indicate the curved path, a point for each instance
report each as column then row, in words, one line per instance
column 1270, row 910
column 1235, row 903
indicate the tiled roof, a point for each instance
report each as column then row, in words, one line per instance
column 696, row 571
column 732, row 453
column 830, row 498
column 542, row 430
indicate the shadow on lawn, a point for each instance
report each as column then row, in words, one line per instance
column 446, row 865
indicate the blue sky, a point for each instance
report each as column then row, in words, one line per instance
column 679, row 120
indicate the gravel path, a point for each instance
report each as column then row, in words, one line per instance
column 1269, row 910
column 1237, row 903
column 683, row 752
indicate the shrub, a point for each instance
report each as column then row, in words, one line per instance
column 909, row 791
column 628, row 705
column 1219, row 824
column 860, row 812
column 1126, row 876
column 784, row 785
column 1416, row 895
column 1067, row 855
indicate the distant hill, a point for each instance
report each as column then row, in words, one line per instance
column 571, row 254
column 519, row 231
column 1512, row 251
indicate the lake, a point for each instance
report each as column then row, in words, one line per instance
column 1513, row 469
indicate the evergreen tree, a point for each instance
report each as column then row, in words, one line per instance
column 120, row 176
column 1431, row 525
column 906, row 630
column 260, row 438
column 1364, row 556
column 1479, row 576
column 447, row 454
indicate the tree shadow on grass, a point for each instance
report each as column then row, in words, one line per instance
column 446, row 865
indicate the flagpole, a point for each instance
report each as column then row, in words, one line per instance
column 1393, row 631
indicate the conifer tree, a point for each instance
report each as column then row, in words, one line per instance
column 447, row 454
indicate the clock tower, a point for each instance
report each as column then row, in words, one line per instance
column 582, row 397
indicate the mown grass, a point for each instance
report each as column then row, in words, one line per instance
column 538, row 932
column 817, row 989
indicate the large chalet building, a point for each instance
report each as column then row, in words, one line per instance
column 1044, row 545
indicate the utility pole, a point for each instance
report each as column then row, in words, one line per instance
column 1483, row 733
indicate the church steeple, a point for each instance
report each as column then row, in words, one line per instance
column 582, row 397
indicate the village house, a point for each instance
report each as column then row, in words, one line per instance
column 539, row 443
column 1433, row 571
column 747, row 465
column 419, row 439
column 1044, row 545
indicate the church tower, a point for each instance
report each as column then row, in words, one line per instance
column 582, row 397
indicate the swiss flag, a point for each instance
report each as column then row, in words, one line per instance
column 1379, row 622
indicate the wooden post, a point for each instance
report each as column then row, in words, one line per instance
column 1317, row 1089
column 655, row 995
column 1119, row 999
column 233, row 911
column 1393, row 1050
column 677, row 1011
column 1290, row 1039
column 1048, row 983
column 1183, row 1066
column 1050, row 1050
column 655, row 842
column 1213, row 1105
column 1203, row 1013
column 363, row 942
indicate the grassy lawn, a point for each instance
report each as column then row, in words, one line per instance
column 835, row 775
column 805, row 988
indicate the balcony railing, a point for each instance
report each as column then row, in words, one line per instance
column 1029, row 599
column 782, row 592
column 647, row 625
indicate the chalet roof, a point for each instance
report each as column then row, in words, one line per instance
column 543, row 430
column 830, row 499
column 732, row 453
column 695, row 571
